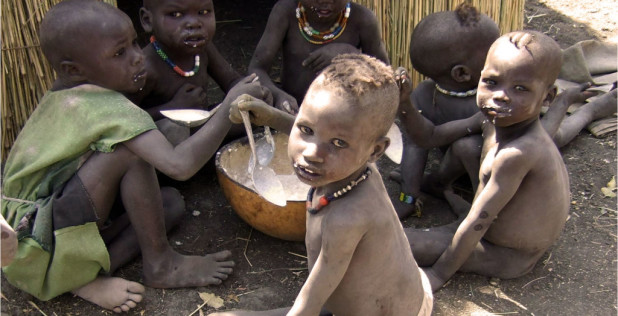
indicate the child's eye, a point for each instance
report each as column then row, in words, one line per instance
column 521, row 88
column 488, row 81
column 175, row 14
column 305, row 130
column 339, row 143
column 203, row 12
column 120, row 52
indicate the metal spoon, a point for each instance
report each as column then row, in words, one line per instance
column 265, row 147
column 264, row 178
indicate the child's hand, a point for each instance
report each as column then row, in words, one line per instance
column 188, row 96
column 259, row 111
column 9, row 242
column 404, row 83
column 321, row 57
column 286, row 102
column 577, row 94
column 250, row 85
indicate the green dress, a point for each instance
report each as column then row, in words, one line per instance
column 66, row 125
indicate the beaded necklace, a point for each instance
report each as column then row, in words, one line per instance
column 325, row 199
column 177, row 69
column 455, row 93
column 319, row 38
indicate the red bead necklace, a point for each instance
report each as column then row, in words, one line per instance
column 325, row 199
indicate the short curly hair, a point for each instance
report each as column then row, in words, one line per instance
column 367, row 83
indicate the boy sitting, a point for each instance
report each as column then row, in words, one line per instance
column 180, row 59
column 86, row 146
column 449, row 48
column 309, row 34
column 355, row 243
column 522, row 201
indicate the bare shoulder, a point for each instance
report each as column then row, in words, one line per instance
column 422, row 95
column 362, row 11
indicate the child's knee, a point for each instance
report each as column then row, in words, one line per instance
column 467, row 148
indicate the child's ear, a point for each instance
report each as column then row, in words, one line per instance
column 461, row 73
column 145, row 18
column 379, row 148
column 551, row 95
column 72, row 71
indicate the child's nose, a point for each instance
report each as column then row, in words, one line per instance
column 193, row 23
column 312, row 153
column 138, row 56
column 501, row 95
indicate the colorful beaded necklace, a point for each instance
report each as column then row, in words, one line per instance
column 177, row 69
column 456, row 94
column 319, row 38
column 325, row 199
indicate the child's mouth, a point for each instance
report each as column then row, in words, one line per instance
column 304, row 173
column 140, row 76
column 195, row 41
column 322, row 13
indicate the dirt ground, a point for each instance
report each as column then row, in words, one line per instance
column 576, row 277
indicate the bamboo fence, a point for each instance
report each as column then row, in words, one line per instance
column 26, row 75
column 399, row 17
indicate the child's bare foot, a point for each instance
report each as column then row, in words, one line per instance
column 459, row 206
column 116, row 294
column 176, row 270
column 9, row 243
column 604, row 106
column 406, row 209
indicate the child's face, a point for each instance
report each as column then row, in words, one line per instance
column 183, row 25
column 513, row 86
column 324, row 10
column 110, row 57
column 329, row 141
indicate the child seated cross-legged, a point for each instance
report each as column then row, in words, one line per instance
column 355, row 243
column 85, row 147
column 309, row 33
column 522, row 201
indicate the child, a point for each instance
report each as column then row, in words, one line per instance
column 522, row 201
column 84, row 146
column 180, row 58
column 336, row 27
column 355, row 243
column 449, row 48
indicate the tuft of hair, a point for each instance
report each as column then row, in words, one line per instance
column 467, row 14
column 65, row 24
column 366, row 83
column 543, row 49
column 447, row 38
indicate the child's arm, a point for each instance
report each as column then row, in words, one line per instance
column 8, row 244
column 322, row 57
column 340, row 238
column 509, row 168
column 261, row 114
column 371, row 36
column 220, row 70
column 421, row 130
column 266, row 52
column 184, row 160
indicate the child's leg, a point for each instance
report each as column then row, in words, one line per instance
column 557, row 110
column 274, row 312
column 103, row 175
column 9, row 242
column 463, row 156
column 121, row 239
column 410, row 177
column 599, row 108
